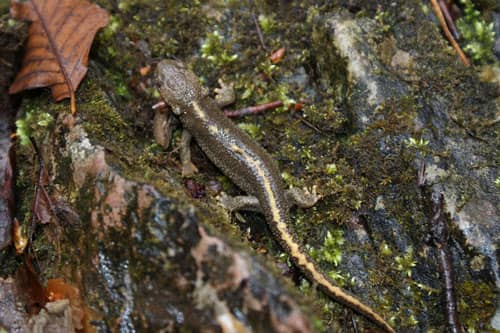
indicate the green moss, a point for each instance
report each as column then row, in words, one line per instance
column 479, row 36
column 405, row 263
column 331, row 251
column 252, row 129
column 476, row 303
column 381, row 18
column 35, row 122
column 267, row 23
column 216, row 50
column 101, row 121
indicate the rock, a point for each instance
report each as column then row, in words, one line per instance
column 167, row 271
column 459, row 135
column 496, row 28
column 9, row 45
column 54, row 317
column 6, row 179
column 13, row 316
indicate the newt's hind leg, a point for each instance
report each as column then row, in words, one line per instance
column 240, row 202
column 301, row 197
column 225, row 94
column 295, row 196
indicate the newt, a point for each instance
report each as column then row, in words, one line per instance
column 248, row 165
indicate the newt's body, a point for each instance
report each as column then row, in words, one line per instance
column 248, row 165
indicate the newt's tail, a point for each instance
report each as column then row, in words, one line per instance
column 304, row 262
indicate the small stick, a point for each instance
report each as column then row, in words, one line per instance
column 440, row 235
column 253, row 109
column 449, row 20
column 354, row 325
column 307, row 123
column 421, row 174
column 259, row 32
column 38, row 185
column 257, row 27
column 442, row 21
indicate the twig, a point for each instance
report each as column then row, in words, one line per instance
column 307, row 123
column 5, row 62
column 49, row 203
column 440, row 235
column 259, row 32
column 257, row 27
column 493, row 122
column 442, row 22
column 466, row 129
column 421, row 174
column 253, row 109
column 38, row 185
column 449, row 19
column 354, row 326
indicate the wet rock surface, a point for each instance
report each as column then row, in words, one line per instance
column 10, row 43
column 157, row 268
column 466, row 174
column 496, row 22
column 13, row 316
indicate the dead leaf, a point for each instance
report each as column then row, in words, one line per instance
column 144, row 70
column 277, row 55
column 28, row 285
column 58, row 45
column 43, row 210
column 57, row 289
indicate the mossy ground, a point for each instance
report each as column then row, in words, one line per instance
column 315, row 145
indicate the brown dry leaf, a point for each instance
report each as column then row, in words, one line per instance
column 58, row 46
column 277, row 55
column 58, row 289
column 28, row 285
column 43, row 210
column 20, row 240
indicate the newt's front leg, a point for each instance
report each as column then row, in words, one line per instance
column 163, row 126
column 188, row 168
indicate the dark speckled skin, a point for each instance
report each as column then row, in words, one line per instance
column 216, row 143
column 247, row 164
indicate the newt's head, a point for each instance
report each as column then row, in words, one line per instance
column 178, row 86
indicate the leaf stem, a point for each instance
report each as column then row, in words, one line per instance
column 72, row 103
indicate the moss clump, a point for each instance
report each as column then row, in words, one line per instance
column 476, row 303
column 102, row 121
column 216, row 50
column 34, row 121
column 479, row 36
